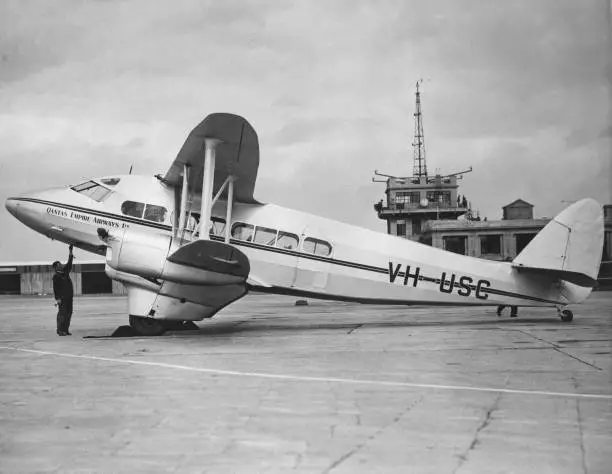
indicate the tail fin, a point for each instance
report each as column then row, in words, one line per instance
column 569, row 247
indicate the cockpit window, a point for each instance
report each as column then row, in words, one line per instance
column 110, row 181
column 317, row 247
column 132, row 209
column 155, row 213
column 92, row 190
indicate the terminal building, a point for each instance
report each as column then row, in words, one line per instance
column 36, row 278
column 495, row 239
column 431, row 211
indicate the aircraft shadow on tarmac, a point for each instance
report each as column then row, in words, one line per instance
column 290, row 325
column 263, row 325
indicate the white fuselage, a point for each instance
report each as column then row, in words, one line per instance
column 313, row 256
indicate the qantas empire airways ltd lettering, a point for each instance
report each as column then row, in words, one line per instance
column 77, row 216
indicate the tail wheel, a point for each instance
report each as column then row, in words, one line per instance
column 147, row 326
column 566, row 316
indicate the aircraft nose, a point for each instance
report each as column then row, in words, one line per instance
column 12, row 205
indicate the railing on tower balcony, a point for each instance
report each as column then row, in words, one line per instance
column 430, row 206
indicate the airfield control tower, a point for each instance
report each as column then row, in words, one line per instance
column 411, row 201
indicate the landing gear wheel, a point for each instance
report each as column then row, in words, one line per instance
column 147, row 326
column 172, row 325
column 179, row 325
column 566, row 316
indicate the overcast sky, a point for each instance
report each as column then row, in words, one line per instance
column 519, row 90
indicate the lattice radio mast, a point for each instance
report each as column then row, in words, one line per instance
column 420, row 166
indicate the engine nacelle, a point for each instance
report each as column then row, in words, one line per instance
column 156, row 256
column 139, row 253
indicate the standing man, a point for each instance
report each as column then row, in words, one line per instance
column 513, row 309
column 62, row 288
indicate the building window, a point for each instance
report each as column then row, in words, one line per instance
column 412, row 197
column 441, row 197
column 401, row 229
column 522, row 240
column 490, row 244
column 455, row 244
column 416, row 226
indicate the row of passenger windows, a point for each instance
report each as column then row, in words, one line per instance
column 279, row 238
column 272, row 237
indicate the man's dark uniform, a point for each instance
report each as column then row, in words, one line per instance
column 513, row 309
column 62, row 287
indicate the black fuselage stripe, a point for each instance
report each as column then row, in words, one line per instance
column 108, row 215
column 344, row 263
column 121, row 217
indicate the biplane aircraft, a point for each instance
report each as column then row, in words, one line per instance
column 189, row 243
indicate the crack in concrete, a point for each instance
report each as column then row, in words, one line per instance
column 555, row 347
column 373, row 436
column 486, row 422
column 579, row 420
column 298, row 461
column 352, row 329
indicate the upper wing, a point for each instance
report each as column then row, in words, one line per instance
column 237, row 155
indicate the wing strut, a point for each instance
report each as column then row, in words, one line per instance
column 228, row 212
column 184, row 194
column 210, row 145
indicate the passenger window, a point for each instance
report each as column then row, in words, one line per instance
column 132, row 208
column 242, row 232
column 218, row 226
column 265, row 235
column 192, row 222
column 288, row 241
column 317, row 247
column 92, row 190
column 155, row 213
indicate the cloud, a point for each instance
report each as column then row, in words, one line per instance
column 519, row 91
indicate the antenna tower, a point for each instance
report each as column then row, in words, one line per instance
column 420, row 166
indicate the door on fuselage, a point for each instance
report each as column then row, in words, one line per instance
column 313, row 264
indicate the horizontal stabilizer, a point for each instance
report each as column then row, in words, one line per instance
column 569, row 246
column 579, row 279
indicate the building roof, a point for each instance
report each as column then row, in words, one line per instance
column 464, row 225
column 49, row 262
column 518, row 201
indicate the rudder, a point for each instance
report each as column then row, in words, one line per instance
column 569, row 246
